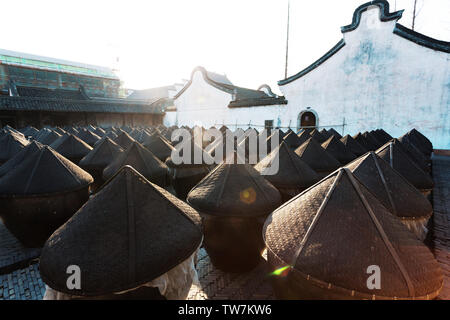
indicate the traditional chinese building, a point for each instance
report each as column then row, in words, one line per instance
column 380, row 75
column 210, row 99
column 41, row 91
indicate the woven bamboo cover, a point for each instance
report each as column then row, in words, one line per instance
column 102, row 155
column 368, row 144
column 127, row 234
column 19, row 157
column 293, row 172
column 159, row 146
column 393, row 154
column 419, row 140
column 353, row 146
column 123, row 139
column 45, row 171
column 141, row 160
column 71, row 146
column 89, row 137
column 234, row 190
column 10, row 144
column 338, row 150
column 332, row 232
column 317, row 157
column 391, row 188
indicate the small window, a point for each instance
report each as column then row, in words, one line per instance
column 306, row 119
column 268, row 124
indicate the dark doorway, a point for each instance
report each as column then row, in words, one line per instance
column 307, row 119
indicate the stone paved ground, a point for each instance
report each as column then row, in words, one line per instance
column 441, row 207
column 19, row 272
column 13, row 255
column 216, row 284
column 26, row 283
column 22, row 284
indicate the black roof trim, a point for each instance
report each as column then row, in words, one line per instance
column 313, row 66
column 385, row 15
column 269, row 101
column 421, row 39
column 269, row 89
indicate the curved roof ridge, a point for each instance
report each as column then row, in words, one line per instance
column 338, row 46
column 421, row 39
column 265, row 85
column 385, row 15
column 228, row 88
column 204, row 72
column 55, row 155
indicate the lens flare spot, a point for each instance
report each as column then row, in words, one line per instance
column 281, row 272
column 248, row 196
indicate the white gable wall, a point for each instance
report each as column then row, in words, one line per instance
column 201, row 104
column 378, row 80
column 205, row 105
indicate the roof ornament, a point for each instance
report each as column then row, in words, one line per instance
column 385, row 15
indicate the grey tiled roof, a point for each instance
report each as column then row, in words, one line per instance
column 68, row 105
column 50, row 93
column 256, row 102
column 66, row 100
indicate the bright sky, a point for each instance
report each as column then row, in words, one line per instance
column 159, row 42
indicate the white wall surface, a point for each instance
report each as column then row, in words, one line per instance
column 378, row 80
column 203, row 104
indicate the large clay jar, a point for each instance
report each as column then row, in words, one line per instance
column 335, row 239
column 291, row 175
column 40, row 194
column 234, row 200
column 392, row 152
column 134, row 235
column 184, row 176
column 71, row 147
column 104, row 152
column 400, row 197
column 320, row 160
